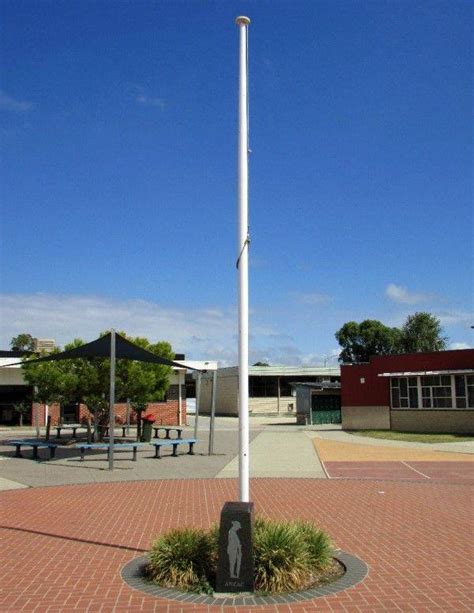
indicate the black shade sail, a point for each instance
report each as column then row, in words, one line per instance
column 100, row 348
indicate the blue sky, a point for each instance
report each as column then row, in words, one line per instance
column 118, row 126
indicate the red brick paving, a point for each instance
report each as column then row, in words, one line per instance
column 63, row 547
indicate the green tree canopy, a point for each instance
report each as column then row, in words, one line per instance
column 422, row 332
column 370, row 337
column 359, row 341
column 88, row 380
column 23, row 342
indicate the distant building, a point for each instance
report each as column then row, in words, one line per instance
column 318, row 403
column 14, row 389
column 414, row 392
column 270, row 390
column 44, row 345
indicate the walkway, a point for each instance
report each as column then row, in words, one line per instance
column 277, row 454
column 65, row 545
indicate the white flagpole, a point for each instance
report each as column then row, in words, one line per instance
column 242, row 265
column 112, row 400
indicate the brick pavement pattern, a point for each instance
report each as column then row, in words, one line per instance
column 63, row 547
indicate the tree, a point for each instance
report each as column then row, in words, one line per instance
column 422, row 332
column 261, row 364
column 87, row 380
column 370, row 337
column 47, row 380
column 23, row 342
column 22, row 408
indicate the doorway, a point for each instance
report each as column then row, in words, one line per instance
column 70, row 413
column 326, row 409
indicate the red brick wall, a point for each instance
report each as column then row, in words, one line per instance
column 165, row 412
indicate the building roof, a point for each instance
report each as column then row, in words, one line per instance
column 284, row 371
column 422, row 373
column 13, row 353
column 322, row 385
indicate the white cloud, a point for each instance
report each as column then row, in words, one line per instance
column 65, row 317
column 312, row 298
column 205, row 333
column 144, row 100
column 7, row 103
column 400, row 294
column 455, row 317
column 460, row 346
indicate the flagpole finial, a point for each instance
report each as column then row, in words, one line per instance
column 242, row 21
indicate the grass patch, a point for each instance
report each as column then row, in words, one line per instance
column 288, row 556
column 413, row 437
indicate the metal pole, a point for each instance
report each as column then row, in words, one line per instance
column 213, row 413
column 128, row 417
column 242, row 263
column 196, row 414
column 36, row 407
column 112, row 400
column 180, row 403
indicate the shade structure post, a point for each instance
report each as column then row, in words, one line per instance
column 213, row 413
column 198, row 398
column 242, row 262
column 180, row 400
column 112, row 400
column 36, row 414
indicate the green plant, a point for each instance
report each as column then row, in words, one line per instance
column 282, row 560
column 184, row 558
column 318, row 544
column 288, row 556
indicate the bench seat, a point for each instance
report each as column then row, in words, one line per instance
column 158, row 444
column 35, row 444
column 117, row 447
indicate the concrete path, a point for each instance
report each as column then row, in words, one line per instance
column 7, row 484
column 279, row 454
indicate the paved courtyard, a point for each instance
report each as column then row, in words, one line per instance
column 65, row 541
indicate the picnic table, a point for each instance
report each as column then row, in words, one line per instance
column 173, row 442
column 73, row 427
column 35, row 444
column 106, row 446
column 168, row 430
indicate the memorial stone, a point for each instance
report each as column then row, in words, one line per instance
column 235, row 568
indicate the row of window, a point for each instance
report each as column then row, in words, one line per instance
column 267, row 387
column 433, row 392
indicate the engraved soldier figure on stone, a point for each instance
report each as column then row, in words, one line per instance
column 234, row 550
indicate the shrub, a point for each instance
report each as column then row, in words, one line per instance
column 184, row 559
column 287, row 555
column 282, row 560
column 318, row 544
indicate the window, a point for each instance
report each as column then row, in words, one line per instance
column 436, row 392
column 404, row 393
column 464, row 385
column 432, row 392
column 262, row 387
